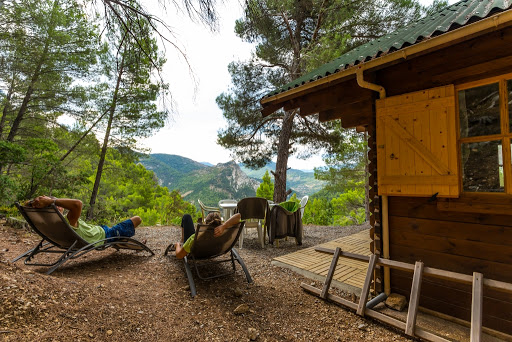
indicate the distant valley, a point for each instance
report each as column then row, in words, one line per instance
column 195, row 180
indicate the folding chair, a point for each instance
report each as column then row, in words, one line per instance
column 59, row 237
column 207, row 247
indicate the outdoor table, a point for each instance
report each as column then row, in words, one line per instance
column 228, row 209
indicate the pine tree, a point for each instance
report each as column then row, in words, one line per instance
column 289, row 37
column 266, row 188
column 131, row 99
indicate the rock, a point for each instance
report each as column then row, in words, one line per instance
column 186, row 288
column 109, row 332
column 396, row 302
column 353, row 297
column 379, row 306
column 17, row 223
column 238, row 292
column 241, row 309
column 361, row 326
column 253, row 334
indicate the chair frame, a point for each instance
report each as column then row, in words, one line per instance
column 190, row 261
column 303, row 202
column 207, row 209
column 261, row 224
column 76, row 249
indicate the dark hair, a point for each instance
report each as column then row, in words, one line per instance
column 213, row 219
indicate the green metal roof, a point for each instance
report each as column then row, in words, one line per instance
column 450, row 18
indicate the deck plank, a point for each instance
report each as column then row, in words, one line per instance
column 348, row 271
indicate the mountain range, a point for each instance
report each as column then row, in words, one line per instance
column 195, row 180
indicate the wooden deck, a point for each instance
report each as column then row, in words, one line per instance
column 349, row 274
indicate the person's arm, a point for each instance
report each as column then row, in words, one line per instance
column 230, row 222
column 73, row 205
column 180, row 251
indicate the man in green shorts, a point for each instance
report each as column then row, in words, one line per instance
column 89, row 232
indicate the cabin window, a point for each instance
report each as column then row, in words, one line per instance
column 485, row 132
column 479, row 111
column 482, row 166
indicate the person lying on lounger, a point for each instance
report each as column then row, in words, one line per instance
column 89, row 232
column 188, row 230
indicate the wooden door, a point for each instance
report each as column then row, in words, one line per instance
column 416, row 144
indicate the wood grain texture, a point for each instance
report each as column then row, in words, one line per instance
column 476, row 307
column 416, row 140
column 414, row 299
column 366, row 287
column 330, row 274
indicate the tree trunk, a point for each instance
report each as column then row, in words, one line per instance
column 5, row 111
column 99, row 171
column 26, row 99
column 7, row 106
column 35, row 77
column 283, row 152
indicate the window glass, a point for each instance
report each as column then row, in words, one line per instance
column 482, row 167
column 479, row 111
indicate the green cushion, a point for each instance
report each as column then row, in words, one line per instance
column 291, row 206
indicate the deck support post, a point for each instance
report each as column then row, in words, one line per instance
column 476, row 307
column 330, row 274
column 414, row 300
column 366, row 287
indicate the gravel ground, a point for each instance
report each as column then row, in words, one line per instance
column 123, row 296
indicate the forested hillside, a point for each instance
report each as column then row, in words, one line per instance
column 74, row 104
column 170, row 168
column 195, row 181
column 303, row 183
column 212, row 183
column 77, row 99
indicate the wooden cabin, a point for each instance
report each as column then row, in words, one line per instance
column 436, row 100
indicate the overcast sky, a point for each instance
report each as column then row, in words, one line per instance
column 192, row 132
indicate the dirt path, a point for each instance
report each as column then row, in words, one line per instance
column 119, row 296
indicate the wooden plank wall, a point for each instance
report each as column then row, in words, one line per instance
column 458, row 241
column 468, row 61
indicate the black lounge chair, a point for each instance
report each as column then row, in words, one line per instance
column 206, row 248
column 251, row 209
column 60, row 238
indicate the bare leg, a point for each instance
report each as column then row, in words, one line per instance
column 136, row 220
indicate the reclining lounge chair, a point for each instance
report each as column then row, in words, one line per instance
column 60, row 238
column 207, row 248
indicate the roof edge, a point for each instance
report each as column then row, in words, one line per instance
column 497, row 21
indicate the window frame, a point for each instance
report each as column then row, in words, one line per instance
column 505, row 135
